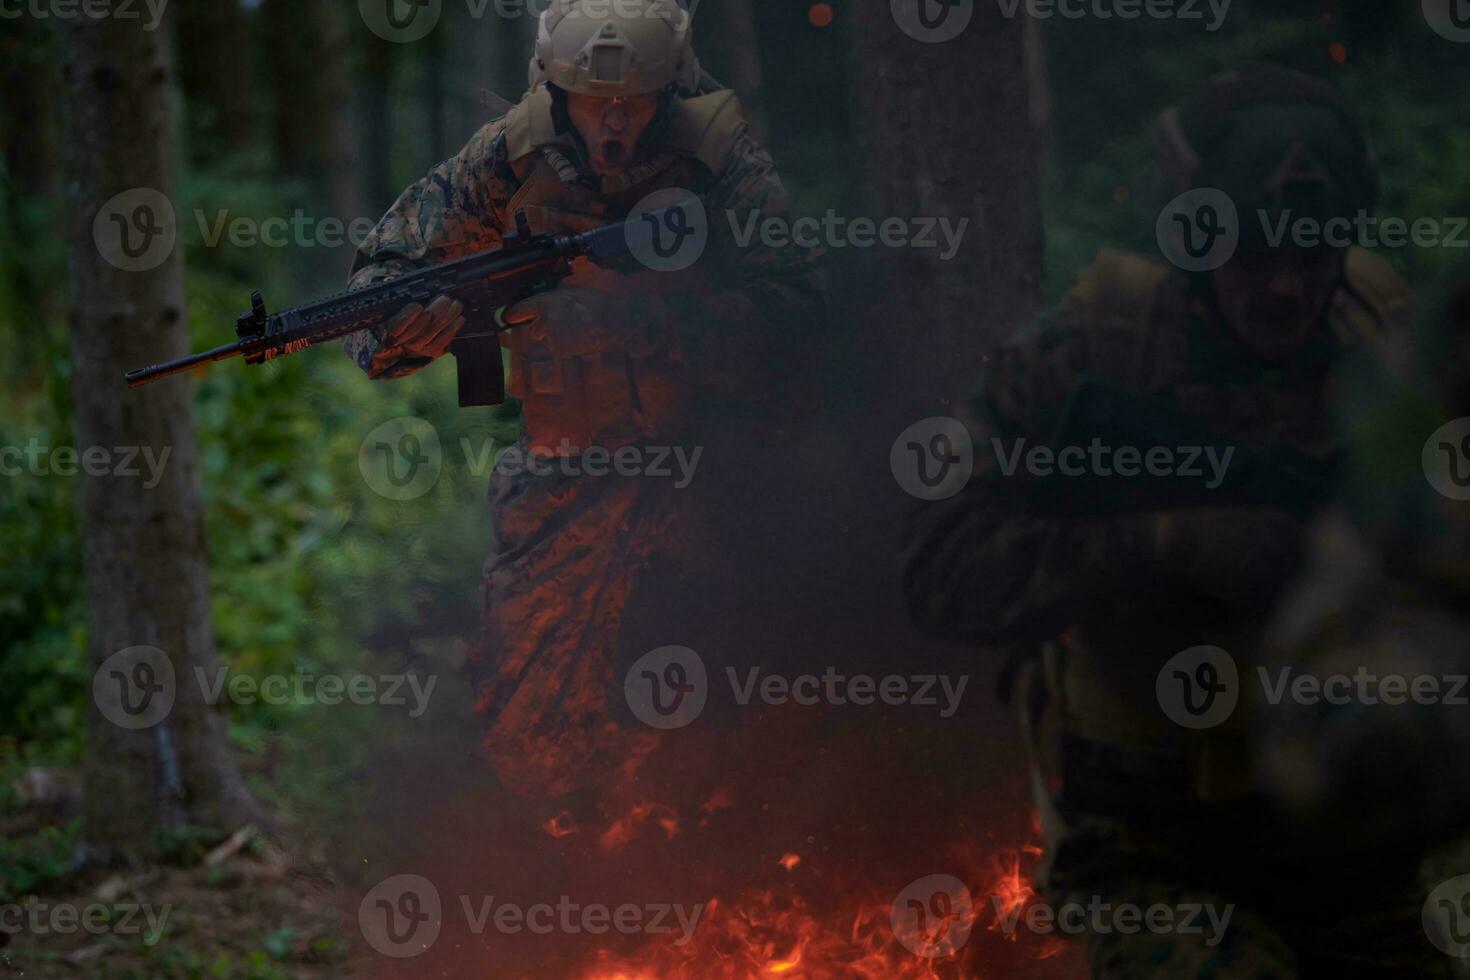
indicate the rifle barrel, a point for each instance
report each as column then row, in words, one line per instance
column 141, row 377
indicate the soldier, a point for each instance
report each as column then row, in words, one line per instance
column 603, row 365
column 1097, row 581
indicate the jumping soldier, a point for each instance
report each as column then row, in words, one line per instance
column 604, row 364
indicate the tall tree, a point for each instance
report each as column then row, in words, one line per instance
column 308, row 49
column 216, row 71
column 953, row 129
column 376, row 61
column 145, row 559
column 726, row 37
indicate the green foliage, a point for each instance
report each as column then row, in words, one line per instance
column 29, row 864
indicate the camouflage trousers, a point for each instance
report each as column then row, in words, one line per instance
column 1237, row 897
column 570, row 550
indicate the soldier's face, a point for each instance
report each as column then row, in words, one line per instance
column 1272, row 298
column 611, row 128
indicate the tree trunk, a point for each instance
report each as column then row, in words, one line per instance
column 309, row 66
column 376, row 60
column 216, row 73
column 29, row 181
column 145, row 559
column 726, row 34
column 953, row 129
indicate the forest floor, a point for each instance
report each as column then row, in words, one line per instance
column 246, row 911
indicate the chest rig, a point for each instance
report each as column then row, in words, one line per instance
column 640, row 386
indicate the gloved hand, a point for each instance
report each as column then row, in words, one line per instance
column 419, row 332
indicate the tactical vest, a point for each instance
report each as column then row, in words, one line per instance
column 642, row 388
column 1076, row 698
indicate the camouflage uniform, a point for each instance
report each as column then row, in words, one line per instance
column 1091, row 604
column 569, row 550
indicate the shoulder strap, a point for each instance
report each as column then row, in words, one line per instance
column 528, row 126
column 706, row 127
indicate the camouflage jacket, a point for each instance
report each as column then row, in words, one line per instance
column 985, row 567
column 462, row 206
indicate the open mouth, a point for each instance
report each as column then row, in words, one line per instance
column 613, row 151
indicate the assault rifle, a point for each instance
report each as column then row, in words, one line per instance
column 485, row 283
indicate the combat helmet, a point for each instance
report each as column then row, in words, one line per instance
column 615, row 48
column 1274, row 140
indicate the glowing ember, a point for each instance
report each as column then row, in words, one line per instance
column 780, row 932
column 561, row 825
column 623, row 829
